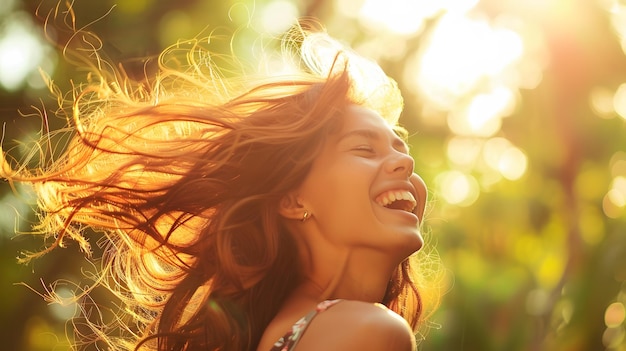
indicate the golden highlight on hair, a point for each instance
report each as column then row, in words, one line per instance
column 182, row 174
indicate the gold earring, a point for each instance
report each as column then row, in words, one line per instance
column 305, row 216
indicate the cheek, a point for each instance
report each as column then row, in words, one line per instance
column 341, row 194
column 349, row 183
column 347, row 206
column 338, row 190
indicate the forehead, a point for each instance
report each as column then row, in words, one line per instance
column 367, row 121
column 358, row 117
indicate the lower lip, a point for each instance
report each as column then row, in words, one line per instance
column 411, row 215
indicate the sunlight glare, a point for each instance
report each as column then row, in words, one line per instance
column 500, row 155
column 487, row 52
column 614, row 315
column 484, row 107
column 398, row 16
column 617, row 194
column 460, row 123
column 614, row 202
column 618, row 164
column 278, row 16
column 66, row 308
column 619, row 184
column 619, row 100
column 493, row 150
column 601, row 102
column 609, row 206
column 617, row 13
column 458, row 188
column 513, row 163
column 619, row 168
column 21, row 51
column 464, row 152
column 402, row 17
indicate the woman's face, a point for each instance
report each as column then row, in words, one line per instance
column 361, row 190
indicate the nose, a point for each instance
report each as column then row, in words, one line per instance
column 400, row 163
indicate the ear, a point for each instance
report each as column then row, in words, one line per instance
column 290, row 206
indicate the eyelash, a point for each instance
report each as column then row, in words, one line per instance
column 365, row 148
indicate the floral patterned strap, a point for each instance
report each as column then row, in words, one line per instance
column 291, row 338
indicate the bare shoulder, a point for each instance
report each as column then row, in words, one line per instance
column 356, row 325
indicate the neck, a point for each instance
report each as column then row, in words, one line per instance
column 359, row 274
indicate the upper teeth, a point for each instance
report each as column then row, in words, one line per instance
column 388, row 197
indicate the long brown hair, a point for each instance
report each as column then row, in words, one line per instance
column 182, row 174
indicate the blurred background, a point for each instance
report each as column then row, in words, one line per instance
column 517, row 111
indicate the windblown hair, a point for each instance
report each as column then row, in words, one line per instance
column 182, row 175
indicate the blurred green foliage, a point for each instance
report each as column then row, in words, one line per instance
column 534, row 263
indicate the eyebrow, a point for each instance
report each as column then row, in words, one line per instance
column 397, row 142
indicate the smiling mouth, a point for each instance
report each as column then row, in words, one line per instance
column 397, row 200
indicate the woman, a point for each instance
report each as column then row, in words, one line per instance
column 235, row 210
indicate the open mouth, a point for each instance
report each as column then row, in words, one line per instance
column 397, row 200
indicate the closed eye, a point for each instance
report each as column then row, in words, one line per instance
column 364, row 148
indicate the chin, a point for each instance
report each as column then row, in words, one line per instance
column 415, row 247
column 412, row 244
